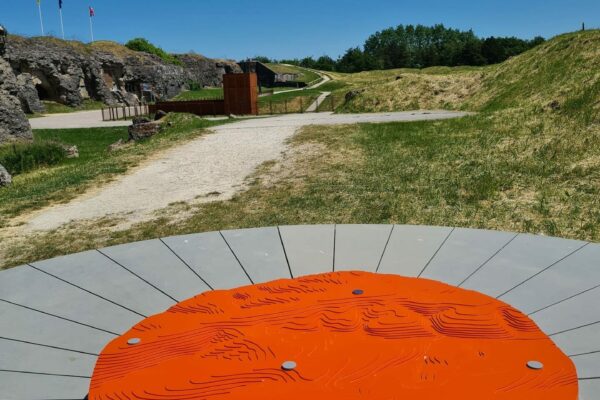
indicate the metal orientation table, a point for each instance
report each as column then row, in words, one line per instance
column 57, row 315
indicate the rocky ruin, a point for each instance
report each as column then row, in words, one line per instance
column 13, row 122
column 68, row 72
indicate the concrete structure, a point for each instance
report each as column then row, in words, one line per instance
column 267, row 77
column 57, row 315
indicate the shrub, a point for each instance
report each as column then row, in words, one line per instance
column 22, row 157
column 141, row 44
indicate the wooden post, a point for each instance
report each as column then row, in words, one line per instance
column 271, row 107
column 301, row 105
column 124, row 114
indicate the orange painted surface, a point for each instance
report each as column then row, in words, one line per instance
column 402, row 338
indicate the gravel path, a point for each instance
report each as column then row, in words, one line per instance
column 217, row 162
column 314, row 106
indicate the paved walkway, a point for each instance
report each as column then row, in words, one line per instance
column 80, row 119
column 215, row 163
column 315, row 106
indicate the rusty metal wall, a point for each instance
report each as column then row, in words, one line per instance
column 241, row 94
column 240, row 98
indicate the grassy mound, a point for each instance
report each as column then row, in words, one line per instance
column 562, row 73
column 529, row 161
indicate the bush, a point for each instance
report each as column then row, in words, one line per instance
column 141, row 44
column 22, row 157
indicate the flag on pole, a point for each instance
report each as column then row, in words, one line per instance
column 38, row 2
column 92, row 14
column 62, row 25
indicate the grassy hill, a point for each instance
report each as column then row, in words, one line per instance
column 528, row 161
column 564, row 71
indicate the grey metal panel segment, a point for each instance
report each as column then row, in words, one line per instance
column 464, row 252
column 574, row 274
column 18, row 356
column 32, row 326
column 577, row 311
column 209, row 256
column 156, row 264
column 94, row 272
column 260, row 252
column 309, row 248
column 20, row 386
column 410, row 248
column 360, row 247
column 48, row 294
column 578, row 341
column 522, row 258
column 588, row 365
column 589, row 389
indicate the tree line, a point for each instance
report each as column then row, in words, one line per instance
column 409, row 46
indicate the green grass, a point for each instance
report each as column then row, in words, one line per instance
column 95, row 164
column 297, row 101
column 19, row 158
column 201, row 94
column 332, row 86
column 281, row 97
column 305, row 75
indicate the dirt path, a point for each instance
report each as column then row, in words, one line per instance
column 314, row 106
column 213, row 167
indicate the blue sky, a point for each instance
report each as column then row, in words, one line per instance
column 281, row 29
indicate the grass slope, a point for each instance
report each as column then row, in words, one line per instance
column 200, row 94
column 305, row 75
column 565, row 69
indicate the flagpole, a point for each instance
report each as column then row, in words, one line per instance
column 41, row 19
column 62, row 27
column 91, row 28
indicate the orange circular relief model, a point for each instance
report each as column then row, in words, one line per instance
column 346, row 335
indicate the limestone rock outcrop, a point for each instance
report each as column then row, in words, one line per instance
column 28, row 95
column 13, row 121
column 5, row 178
column 70, row 72
column 206, row 71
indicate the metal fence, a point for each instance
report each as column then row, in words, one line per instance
column 124, row 112
column 200, row 107
column 299, row 104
